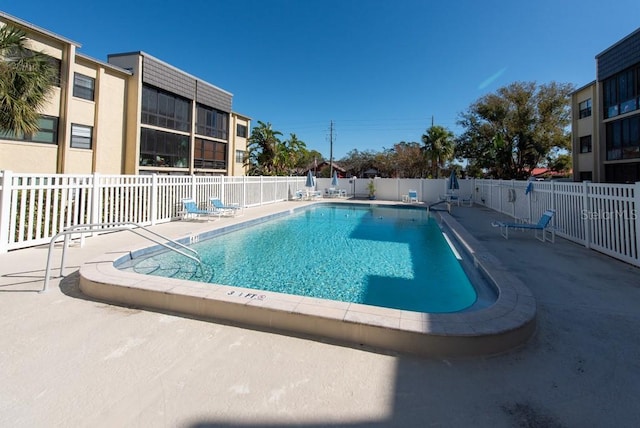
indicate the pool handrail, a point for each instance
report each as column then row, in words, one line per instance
column 90, row 227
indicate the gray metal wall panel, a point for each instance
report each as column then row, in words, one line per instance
column 159, row 75
column 621, row 56
column 213, row 97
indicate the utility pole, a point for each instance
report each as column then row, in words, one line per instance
column 331, row 149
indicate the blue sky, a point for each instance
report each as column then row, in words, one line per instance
column 380, row 70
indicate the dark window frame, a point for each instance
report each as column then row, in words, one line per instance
column 163, row 149
column 37, row 137
column 584, row 108
column 164, row 109
column 241, row 130
column 212, row 122
column 84, row 86
column 79, row 141
column 210, row 154
column 585, row 144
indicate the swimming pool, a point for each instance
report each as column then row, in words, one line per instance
column 499, row 320
column 395, row 257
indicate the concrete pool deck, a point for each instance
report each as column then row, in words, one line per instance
column 69, row 360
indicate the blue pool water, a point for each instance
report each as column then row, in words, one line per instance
column 375, row 255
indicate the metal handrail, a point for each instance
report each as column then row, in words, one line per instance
column 90, row 228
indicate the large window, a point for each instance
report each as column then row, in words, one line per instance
column 48, row 132
column 163, row 149
column 585, row 108
column 83, row 86
column 210, row 154
column 167, row 110
column 623, row 138
column 81, row 136
column 585, row 144
column 212, row 123
column 621, row 92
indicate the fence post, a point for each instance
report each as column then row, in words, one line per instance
column 636, row 216
column 95, row 199
column 154, row 199
column 5, row 204
column 515, row 198
column 585, row 214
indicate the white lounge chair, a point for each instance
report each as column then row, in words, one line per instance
column 413, row 196
column 226, row 210
column 543, row 225
column 190, row 210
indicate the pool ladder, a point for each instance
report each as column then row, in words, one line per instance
column 123, row 225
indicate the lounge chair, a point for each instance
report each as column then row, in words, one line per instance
column 226, row 210
column 466, row 200
column 413, row 196
column 298, row 196
column 190, row 210
column 543, row 225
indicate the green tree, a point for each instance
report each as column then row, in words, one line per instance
column 512, row 131
column 288, row 154
column 263, row 149
column 357, row 162
column 560, row 163
column 438, row 147
column 410, row 163
column 26, row 80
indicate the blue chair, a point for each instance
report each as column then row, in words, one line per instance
column 413, row 196
column 543, row 225
column 227, row 210
column 190, row 210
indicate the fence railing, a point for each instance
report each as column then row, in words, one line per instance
column 34, row 208
column 605, row 217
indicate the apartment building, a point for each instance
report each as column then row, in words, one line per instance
column 133, row 114
column 606, row 117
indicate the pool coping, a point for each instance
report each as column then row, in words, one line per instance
column 504, row 325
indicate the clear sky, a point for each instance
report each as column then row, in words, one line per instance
column 381, row 70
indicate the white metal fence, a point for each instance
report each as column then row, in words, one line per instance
column 34, row 208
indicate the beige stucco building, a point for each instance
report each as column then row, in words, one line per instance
column 606, row 117
column 133, row 114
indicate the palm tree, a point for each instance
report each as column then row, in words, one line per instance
column 26, row 80
column 263, row 148
column 438, row 147
column 289, row 153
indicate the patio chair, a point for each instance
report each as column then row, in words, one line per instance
column 190, row 210
column 543, row 225
column 226, row 210
column 466, row 200
column 413, row 196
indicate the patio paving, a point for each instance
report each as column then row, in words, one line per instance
column 67, row 360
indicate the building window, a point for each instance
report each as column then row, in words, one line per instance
column 163, row 149
column 622, row 92
column 47, row 134
column 212, row 122
column 585, row 144
column 585, row 108
column 241, row 131
column 83, row 86
column 623, row 138
column 240, row 156
column 81, row 136
column 586, row 176
column 164, row 109
column 210, row 154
